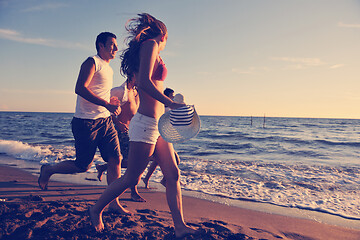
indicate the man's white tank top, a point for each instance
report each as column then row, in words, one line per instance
column 100, row 85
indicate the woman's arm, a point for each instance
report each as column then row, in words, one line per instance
column 148, row 54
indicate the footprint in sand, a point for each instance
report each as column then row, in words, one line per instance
column 147, row 211
column 264, row 231
column 217, row 227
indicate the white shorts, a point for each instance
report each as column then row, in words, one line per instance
column 143, row 129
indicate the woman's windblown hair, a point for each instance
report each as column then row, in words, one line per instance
column 140, row 29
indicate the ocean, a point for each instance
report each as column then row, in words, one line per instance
column 302, row 163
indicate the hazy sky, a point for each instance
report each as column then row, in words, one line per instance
column 282, row 58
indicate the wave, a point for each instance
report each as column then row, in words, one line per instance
column 306, row 153
column 332, row 143
column 238, row 136
column 205, row 153
column 42, row 154
column 228, row 146
column 220, row 135
column 21, row 150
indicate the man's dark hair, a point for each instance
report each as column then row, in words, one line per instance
column 102, row 38
column 168, row 91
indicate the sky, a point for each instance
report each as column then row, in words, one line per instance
column 278, row 58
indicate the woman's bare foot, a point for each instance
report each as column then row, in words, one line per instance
column 96, row 220
column 146, row 182
column 101, row 169
column 136, row 197
column 44, row 177
column 183, row 231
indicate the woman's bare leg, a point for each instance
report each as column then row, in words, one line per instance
column 135, row 196
column 113, row 173
column 163, row 180
column 139, row 154
column 177, row 158
column 164, row 154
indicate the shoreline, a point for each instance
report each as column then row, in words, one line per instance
column 18, row 185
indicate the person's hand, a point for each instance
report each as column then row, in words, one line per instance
column 115, row 100
column 175, row 105
column 113, row 108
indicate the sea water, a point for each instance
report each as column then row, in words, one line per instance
column 302, row 163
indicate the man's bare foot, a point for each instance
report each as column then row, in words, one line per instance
column 184, row 231
column 136, row 197
column 101, row 169
column 96, row 220
column 146, row 182
column 117, row 208
column 44, row 177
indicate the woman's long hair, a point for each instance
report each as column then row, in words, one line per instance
column 140, row 29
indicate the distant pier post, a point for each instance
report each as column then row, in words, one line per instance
column 264, row 122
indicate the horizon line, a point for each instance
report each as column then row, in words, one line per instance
column 202, row 115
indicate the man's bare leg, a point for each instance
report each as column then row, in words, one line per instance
column 46, row 171
column 101, row 168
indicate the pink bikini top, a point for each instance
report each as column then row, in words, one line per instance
column 160, row 71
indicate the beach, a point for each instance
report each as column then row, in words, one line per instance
column 61, row 213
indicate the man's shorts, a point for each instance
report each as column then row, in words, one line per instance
column 143, row 129
column 91, row 134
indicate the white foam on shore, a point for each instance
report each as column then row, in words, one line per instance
column 333, row 190
column 22, row 150
column 44, row 154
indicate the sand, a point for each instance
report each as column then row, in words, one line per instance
column 61, row 213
